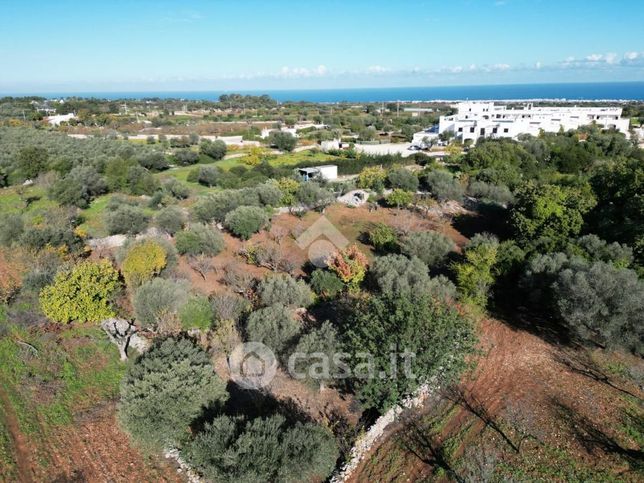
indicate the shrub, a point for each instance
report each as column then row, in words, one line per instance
column 143, row 261
column 196, row 313
column 126, row 219
column 306, row 355
column 326, row 284
column 438, row 335
column 500, row 194
column 313, row 196
column 403, row 179
column 78, row 187
column 215, row 149
column 186, row 157
column 171, row 219
column 383, row 237
column 264, row 449
column 399, row 198
column 199, row 239
column 602, row 304
column 474, row 275
column 283, row 141
column 84, row 293
column 246, row 220
column 205, row 175
column 165, row 390
column 430, row 246
column 154, row 160
column 228, row 306
column 443, row 186
column 273, row 326
column 269, row 194
column 12, row 227
column 372, row 177
column 284, row 289
column 596, row 249
column 350, row 265
column 397, row 274
column 176, row 188
column 157, row 302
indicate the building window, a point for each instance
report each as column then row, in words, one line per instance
column 506, row 130
column 460, row 129
column 495, row 130
column 471, row 129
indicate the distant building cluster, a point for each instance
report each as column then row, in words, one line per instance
column 485, row 119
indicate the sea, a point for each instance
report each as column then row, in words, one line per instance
column 607, row 91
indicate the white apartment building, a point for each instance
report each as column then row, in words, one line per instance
column 485, row 119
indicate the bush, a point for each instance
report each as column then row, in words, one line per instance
column 197, row 313
column 307, row 355
column 350, row 265
column 326, row 284
column 215, row 149
column 143, row 261
column 264, row 449
column 165, row 390
column 602, row 304
column 199, row 239
column 596, row 249
column 171, row 219
column 127, row 220
column 488, row 192
column 154, row 161
column 397, row 275
column 84, row 293
column 438, row 335
column 372, row 177
column 430, row 246
column 246, row 220
column 157, row 302
column 228, row 306
column 400, row 198
column 475, row 275
column 204, row 175
column 176, row 188
column 273, row 326
column 313, row 196
column 186, row 157
column 403, row 179
column 283, row 141
column 284, row 289
column 12, row 227
column 79, row 187
column 383, row 237
column 443, row 186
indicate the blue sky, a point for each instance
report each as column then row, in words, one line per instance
column 277, row 44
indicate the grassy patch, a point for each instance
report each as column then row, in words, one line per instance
column 24, row 199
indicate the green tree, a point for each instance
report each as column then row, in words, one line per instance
column 312, row 347
column 273, row 326
column 283, row 141
column 126, row 219
column 400, row 198
column 246, row 220
column 171, row 219
column 443, row 186
column 197, row 313
column 157, row 302
column 215, row 149
column 548, row 215
column 382, row 237
column 199, row 239
column 403, row 179
column 475, row 275
column 83, row 293
column 283, row 289
column 431, row 247
column 404, row 324
column 232, row 449
column 165, row 390
column 326, row 284
column 143, row 261
column 31, row 161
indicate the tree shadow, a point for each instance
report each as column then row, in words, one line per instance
column 580, row 363
column 470, row 403
column 486, row 217
column 593, row 438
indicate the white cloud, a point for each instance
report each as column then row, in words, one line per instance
column 631, row 55
column 377, row 69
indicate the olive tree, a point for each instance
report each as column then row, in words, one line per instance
column 283, row 289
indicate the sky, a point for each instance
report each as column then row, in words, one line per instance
column 157, row 45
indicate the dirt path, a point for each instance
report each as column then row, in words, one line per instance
column 20, row 446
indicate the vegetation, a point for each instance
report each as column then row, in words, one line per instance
column 199, row 239
column 143, row 261
column 246, row 220
column 159, row 415
column 84, row 293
